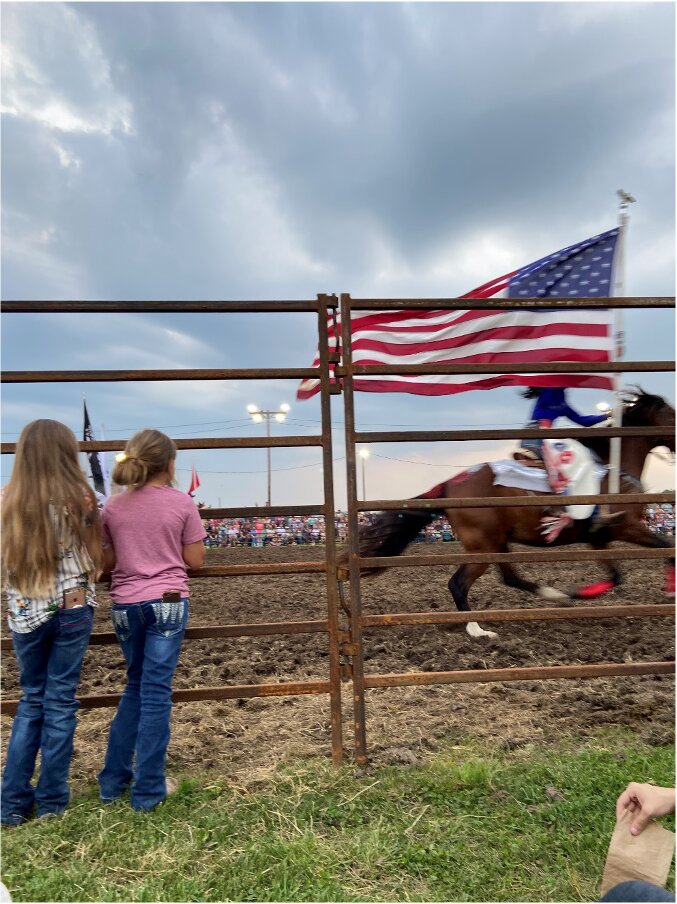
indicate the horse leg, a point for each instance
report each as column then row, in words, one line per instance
column 615, row 577
column 459, row 585
column 592, row 591
column 512, row 579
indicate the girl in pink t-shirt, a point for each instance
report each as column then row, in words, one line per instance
column 151, row 534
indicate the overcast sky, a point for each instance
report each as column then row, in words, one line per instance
column 272, row 151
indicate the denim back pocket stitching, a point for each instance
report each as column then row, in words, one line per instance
column 74, row 619
column 169, row 616
column 120, row 623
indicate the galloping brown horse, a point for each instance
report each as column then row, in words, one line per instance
column 490, row 530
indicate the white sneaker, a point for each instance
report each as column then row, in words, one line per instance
column 171, row 785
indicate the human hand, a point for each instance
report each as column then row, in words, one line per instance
column 645, row 802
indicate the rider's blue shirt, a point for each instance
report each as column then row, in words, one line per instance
column 552, row 404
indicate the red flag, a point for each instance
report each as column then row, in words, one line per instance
column 194, row 482
column 506, row 336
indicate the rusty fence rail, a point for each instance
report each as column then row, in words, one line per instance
column 359, row 622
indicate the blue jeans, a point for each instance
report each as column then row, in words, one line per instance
column 637, row 890
column 150, row 634
column 532, row 445
column 50, row 660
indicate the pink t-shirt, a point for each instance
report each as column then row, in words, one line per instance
column 148, row 529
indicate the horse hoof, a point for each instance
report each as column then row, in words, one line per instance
column 474, row 630
column 549, row 593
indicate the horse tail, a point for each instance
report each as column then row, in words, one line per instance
column 391, row 532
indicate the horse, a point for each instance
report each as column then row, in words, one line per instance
column 490, row 530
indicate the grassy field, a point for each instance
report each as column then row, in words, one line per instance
column 470, row 824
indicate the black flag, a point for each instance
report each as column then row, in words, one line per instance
column 94, row 463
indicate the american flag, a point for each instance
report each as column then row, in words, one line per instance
column 494, row 337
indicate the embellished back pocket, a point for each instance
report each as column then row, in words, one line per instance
column 121, row 627
column 170, row 616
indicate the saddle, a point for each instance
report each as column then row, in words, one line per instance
column 529, row 458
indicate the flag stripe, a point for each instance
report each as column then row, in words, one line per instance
column 444, row 320
column 492, row 287
column 525, row 356
column 411, row 385
column 513, row 338
column 422, row 320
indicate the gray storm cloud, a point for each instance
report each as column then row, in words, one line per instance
column 280, row 150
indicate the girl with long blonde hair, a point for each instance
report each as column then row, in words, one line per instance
column 51, row 552
column 151, row 533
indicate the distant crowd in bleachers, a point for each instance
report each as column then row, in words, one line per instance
column 660, row 519
column 299, row 530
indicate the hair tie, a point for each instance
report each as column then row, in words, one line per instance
column 122, row 456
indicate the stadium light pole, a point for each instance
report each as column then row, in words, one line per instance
column 258, row 415
column 364, row 455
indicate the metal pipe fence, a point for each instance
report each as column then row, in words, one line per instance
column 345, row 623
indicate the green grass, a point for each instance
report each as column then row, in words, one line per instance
column 470, row 824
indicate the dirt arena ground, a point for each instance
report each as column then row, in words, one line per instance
column 245, row 739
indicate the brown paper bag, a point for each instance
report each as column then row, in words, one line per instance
column 645, row 856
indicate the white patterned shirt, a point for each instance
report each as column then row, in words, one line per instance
column 73, row 568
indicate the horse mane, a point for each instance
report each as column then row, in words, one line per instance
column 638, row 405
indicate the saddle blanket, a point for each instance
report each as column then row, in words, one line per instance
column 510, row 473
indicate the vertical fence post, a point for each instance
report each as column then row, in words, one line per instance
column 353, row 539
column 325, row 303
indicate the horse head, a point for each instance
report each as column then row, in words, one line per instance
column 642, row 409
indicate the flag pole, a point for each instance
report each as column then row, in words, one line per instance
column 86, row 457
column 619, row 337
column 103, row 460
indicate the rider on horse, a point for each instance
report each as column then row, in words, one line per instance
column 551, row 403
